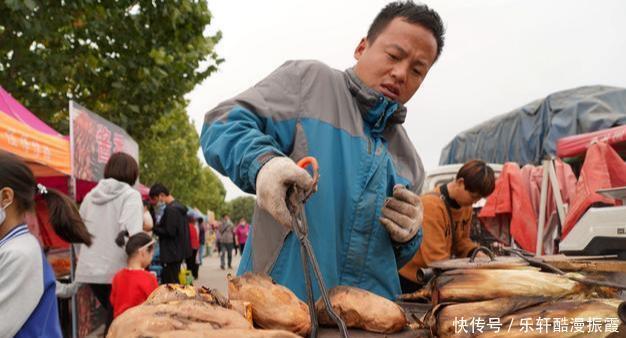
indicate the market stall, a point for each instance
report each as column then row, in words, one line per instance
column 48, row 154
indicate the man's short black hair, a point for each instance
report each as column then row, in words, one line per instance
column 478, row 177
column 418, row 14
column 158, row 189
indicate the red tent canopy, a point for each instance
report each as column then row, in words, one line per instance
column 576, row 145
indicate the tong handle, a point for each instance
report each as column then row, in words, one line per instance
column 305, row 161
column 484, row 249
column 312, row 161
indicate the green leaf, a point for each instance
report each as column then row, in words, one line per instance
column 131, row 76
column 12, row 4
column 30, row 4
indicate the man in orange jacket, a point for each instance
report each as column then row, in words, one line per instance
column 448, row 218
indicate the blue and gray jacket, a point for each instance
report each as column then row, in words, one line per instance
column 305, row 108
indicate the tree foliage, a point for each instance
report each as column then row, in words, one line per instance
column 169, row 156
column 129, row 61
column 241, row 207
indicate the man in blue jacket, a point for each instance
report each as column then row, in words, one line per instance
column 364, row 220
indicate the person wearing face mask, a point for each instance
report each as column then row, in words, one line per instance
column 365, row 217
column 173, row 231
column 27, row 283
column 112, row 206
column 448, row 220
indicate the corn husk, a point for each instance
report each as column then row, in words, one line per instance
column 472, row 285
column 441, row 319
column 444, row 319
column 602, row 309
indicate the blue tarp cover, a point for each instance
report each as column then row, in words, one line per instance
column 529, row 134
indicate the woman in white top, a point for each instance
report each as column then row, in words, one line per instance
column 111, row 208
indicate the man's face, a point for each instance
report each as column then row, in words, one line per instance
column 398, row 60
column 154, row 200
column 465, row 197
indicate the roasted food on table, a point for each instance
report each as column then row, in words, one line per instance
column 228, row 333
column 273, row 306
column 514, row 314
column 363, row 310
column 509, row 296
column 465, row 285
column 171, row 292
column 149, row 320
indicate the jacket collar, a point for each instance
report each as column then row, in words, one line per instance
column 377, row 110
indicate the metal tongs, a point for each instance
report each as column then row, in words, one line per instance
column 295, row 202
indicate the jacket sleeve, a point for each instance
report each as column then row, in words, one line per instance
column 166, row 226
column 240, row 135
column 406, row 251
column 131, row 217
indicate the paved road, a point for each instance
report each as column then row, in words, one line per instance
column 211, row 276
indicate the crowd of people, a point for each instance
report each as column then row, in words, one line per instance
column 117, row 236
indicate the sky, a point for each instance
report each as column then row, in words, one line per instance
column 498, row 55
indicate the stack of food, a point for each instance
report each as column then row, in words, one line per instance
column 276, row 307
column 182, row 311
column 256, row 307
column 515, row 302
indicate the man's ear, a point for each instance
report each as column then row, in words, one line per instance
column 360, row 48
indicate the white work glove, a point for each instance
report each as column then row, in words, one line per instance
column 272, row 182
column 402, row 214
